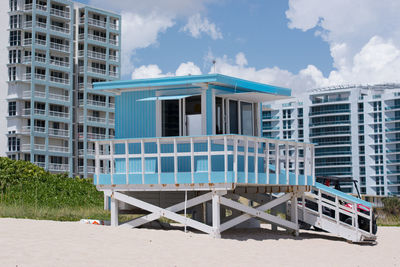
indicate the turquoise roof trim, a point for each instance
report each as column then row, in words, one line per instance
column 221, row 80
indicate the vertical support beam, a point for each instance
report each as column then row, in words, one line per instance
column 235, row 158
column 175, row 162
column 192, row 159
column 312, row 163
column 216, row 219
column 277, row 162
column 305, row 163
column 97, row 163
column 114, row 211
column 112, row 161
column 267, row 162
column 159, row 160
column 287, row 148
column 142, row 157
column 246, row 159
column 209, row 158
column 296, row 163
column 127, row 161
column 226, row 159
column 294, row 213
column 256, row 160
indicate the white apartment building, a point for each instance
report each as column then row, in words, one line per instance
column 356, row 130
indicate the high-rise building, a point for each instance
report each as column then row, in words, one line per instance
column 57, row 50
column 356, row 130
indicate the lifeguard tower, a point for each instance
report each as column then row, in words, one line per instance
column 193, row 145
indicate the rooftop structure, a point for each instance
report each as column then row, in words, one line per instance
column 181, row 142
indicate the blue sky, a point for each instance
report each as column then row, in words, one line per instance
column 300, row 44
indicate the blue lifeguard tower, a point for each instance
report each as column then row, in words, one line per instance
column 193, row 145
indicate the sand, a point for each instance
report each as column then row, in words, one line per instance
column 49, row 243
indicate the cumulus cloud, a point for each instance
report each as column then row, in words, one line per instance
column 363, row 36
column 144, row 21
column 148, row 71
column 188, row 68
column 197, row 25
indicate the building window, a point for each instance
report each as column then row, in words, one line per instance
column 13, row 5
column 14, row 56
column 12, row 108
column 12, row 73
column 15, row 38
column 13, row 144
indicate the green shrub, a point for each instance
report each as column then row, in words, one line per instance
column 25, row 184
column 391, row 205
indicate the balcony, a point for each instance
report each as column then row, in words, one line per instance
column 59, row 47
column 27, row 41
column 90, row 169
column 93, row 136
column 90, row 152
column 58, row 97
column 328, row 100
column 36, row 111
column 113, row 73
column 59, row 13
column 393, row 107
column 40, row 164
column 59, row 114
column 95, row 70
column 64, row 30
column 330, row 133
column 270, row 117
column 336, row 111
column 97, row 38
column 90, row 102
column 58, row 132
column 393, row 129
column 113, row 42
column 323, row 123
column 113, row 58
column 270, row 128
column 59, row 80
column 97, row 23
column 41, row 25
column 393, row 119
column 81, row 86
column 58, row 149
column 28, row 24
column 29, row 7
column 58, row 167
column 114, row 26
column 93, row 119
column 59, row 63
column 40, row 42
column 96, row 55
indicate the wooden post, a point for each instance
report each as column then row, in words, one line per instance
column 114, row 212
column 216, row 219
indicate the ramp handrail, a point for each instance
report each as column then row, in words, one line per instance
column 334, row 205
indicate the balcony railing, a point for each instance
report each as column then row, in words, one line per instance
column 59, row 47
column 92, row 103
column 40, row 147
column 113, row 73
column 60, row 13
column 39, row 94
column 27, row 41
column 59, row 114
column 59, row 63
column 97, row 38
column 41, row 25
column 41, row 7
column 58, row 97
column 28, row 7
column 40, row 42
column 96, row 55
column 97, row 23
column 113, row 42
column 114, row 26
column 60, row 29
column 59, row 80
column 58, row 167
column 111, row 105
column 94, row 136
column 393, row 107
column 93, row 119
column 28, row 24
column 335, row 99
column 81, row 86
column 316, row 113
column 90, row 169
column 40, row 164
column 91, row 152
column 59, row 149
column 97, row 70
column 113, row 58
column 202, row 153
column 58, row 132
column 40, row 76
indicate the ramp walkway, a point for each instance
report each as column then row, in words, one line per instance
column 338, row 213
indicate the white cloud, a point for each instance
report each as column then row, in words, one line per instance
column 363, row 36
column 149, row 71
column 188, row 68
column 197, row 25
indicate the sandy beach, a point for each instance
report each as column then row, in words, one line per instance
column 49, row 243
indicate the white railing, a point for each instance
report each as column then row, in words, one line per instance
column 39, row 111
column 60, row 29
column 28, row 7
column 26, row 94
column 91, row 152
column 92, row 119
column 40, row 94
column 92, row 103
column 41, row 7
column 59, row 80
column 39, row 147
column 81, row 86
column 59, row 47
column 96, row 55
column 27, row 41
column 59, row 63
column 59, row 13
column 40, row 42
column 96, row 70
column 58, row 167
column 40, row 164
column 90, row 169
column 28, row 24
column 235, row 152
column 113, row 42
column 111, row 105
column 113, row 73
column 64, row 98
column 93, row 136
column 41, row 25
column 40, row 59
column 25, row 147
column 40, row 76
column 60, row 149
column 113, row 58
column 26, row 59
column 111, row 121
column 27, row 77
column 58, row 132
column 97, row 38
column 98, row 23
column 26, row 129
column 113, row 26
column 26, row 111
column 39, row 129
column 58, row 114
